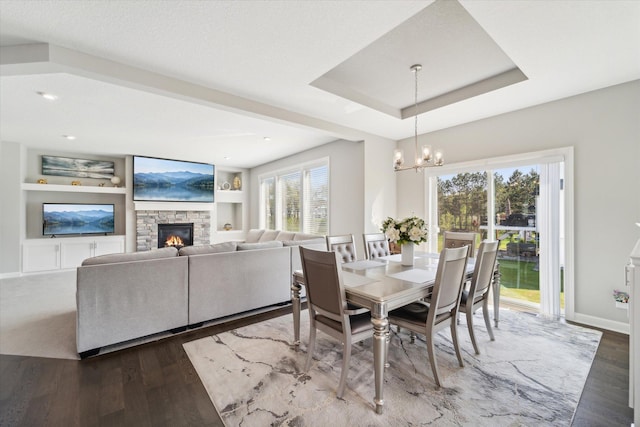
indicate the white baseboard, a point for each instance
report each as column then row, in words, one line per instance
column 10, row 275
column 599, row 322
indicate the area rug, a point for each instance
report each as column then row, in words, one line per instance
column 531, row 375
column 38, row 315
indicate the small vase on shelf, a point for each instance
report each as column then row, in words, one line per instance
column 407, row 254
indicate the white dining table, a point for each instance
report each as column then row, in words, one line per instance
column 381, row 285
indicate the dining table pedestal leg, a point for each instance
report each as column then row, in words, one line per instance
column 380, row 346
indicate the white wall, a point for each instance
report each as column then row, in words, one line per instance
column 604, row 128
column 11, row 218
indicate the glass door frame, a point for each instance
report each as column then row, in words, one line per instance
column 540, row 157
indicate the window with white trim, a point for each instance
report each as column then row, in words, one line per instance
column 296, row 199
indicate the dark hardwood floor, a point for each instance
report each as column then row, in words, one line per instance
column 155, row 385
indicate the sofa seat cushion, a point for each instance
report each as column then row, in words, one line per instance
column 253, row 236
column 169, row 252
column 269, row 235
column 259, row 245
column 209, row 249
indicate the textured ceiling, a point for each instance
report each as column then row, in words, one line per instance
column 208, row 80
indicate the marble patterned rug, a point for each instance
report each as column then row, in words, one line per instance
column 531, row 375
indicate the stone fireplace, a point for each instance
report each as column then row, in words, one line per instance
column 147, row 234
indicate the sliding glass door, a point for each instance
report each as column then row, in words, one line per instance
column 519, row 203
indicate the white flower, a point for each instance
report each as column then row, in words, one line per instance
column 392, row 234
column 416, row 234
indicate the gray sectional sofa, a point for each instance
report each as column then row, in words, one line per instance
column 123, row 297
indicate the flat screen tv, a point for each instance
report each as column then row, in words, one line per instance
column 60, row 219
column 164, row 180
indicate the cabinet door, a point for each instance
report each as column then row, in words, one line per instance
column 73, row 253
column 40, row 257
column 104, row 247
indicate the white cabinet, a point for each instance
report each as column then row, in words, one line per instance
column 63, row 253
column 42, row 255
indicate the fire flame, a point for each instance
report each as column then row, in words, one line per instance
column 174, row 241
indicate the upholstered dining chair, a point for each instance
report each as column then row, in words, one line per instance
column 427, row 319
column 456, row 239
column 328, row 309
column 478, row 294
column 344, row 245
column 376, row 245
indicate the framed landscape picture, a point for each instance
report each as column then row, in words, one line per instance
column 77, row 168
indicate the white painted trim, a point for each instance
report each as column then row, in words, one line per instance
column 599, row 322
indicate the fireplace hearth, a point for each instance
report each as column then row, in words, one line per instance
column 177, row 235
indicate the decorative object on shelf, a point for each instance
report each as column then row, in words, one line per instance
column 620, row 296
column 115, row 180
column 76, row 183
column 227, row 227
column 622, row 299
column 77, row 168
column 101, row 184
column 407, row 233
column 41, row 181
column 427, row 158
column 226, row 186
column 237, row 184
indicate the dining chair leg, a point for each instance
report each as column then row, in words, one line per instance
column 469, row 314
column 454, row 336
column 487, row 321
column 311, row 346
column 432, row 360
column 346, row 356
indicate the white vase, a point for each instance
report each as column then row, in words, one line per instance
column 407, row 254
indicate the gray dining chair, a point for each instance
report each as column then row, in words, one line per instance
column 376, row 245
column 344, row 245
column 478, row 294
column 457, row 239
column 427, row 319
column 328, row 308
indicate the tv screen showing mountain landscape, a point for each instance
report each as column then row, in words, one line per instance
column 67, row 218
column 172, row 180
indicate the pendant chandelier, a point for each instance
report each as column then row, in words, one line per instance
column 426, row 157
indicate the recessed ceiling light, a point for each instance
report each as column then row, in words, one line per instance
column 227, row 157
column 267, row 139
column 48, row 96
column 70, row 137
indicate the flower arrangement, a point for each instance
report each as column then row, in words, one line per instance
column 620, row 296
column 409, row 230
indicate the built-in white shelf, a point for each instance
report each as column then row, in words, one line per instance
column 73, row 188
column 229, row 196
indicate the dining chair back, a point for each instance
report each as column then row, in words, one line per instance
column 344, row 245
column 456, row 239
column 328, row 308
column 428, row 318
column 478, row 294
column 376, row 245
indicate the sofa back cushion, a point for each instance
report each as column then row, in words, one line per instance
column 253, row 236
column 314, row 242
column 209, row 249
column 169, row 252
column 286, row 235
column 306, row 236
column 259, row 245
column 269, row 235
